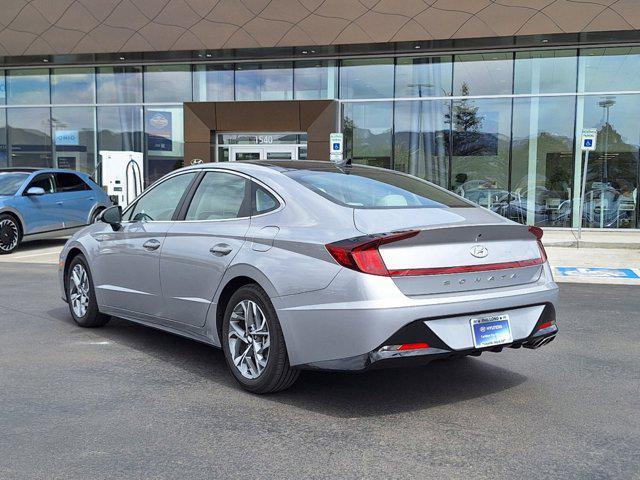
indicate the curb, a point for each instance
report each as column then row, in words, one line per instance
column 602, row 245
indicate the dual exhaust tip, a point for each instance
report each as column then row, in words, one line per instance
column 539, row 342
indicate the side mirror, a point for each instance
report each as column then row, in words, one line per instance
column 112, row 216
column 35, row 191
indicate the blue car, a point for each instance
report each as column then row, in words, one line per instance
column 45, row 203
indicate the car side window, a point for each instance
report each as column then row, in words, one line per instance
column 44, row 181
column 263, row 201
column 70, row 182
column 220, row 196
column 159, row 203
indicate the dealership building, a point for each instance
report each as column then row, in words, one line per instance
column 485, row 98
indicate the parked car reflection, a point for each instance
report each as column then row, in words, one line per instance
column 606, row 205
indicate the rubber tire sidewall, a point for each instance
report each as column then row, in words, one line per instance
column 277, row 375
column 92, row 318
column 4, row 216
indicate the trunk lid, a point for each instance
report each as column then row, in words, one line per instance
column 456, row 249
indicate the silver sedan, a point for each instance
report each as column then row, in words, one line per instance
column 288, row 265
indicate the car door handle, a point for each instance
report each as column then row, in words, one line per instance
column 221, row 249
column 60, row 203
column 152, row 244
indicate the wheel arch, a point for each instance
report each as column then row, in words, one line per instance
column 17, row 217
column 235, row 278
column 98, row 207
column 73, row 252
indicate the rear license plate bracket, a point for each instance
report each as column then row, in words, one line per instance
column 491, row 330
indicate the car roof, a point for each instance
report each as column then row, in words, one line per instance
column 31, row 170
column 283, row 166
column 19, row 170
column 288, row 165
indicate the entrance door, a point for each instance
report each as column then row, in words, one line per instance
column 260, row 152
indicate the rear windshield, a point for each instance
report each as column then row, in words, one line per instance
column 371, row 188
column 10, row 182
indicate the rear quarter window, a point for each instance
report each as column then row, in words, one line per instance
column 70, row 182
column 357, row 187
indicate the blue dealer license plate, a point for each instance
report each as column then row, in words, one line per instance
column 491, row 330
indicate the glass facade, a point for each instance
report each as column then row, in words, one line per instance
column 501, row 128
column 119, row 84
column 72, row 85
column 264, row 81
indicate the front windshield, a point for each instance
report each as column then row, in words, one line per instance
column 10, row 182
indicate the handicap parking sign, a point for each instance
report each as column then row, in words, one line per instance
column 336, row 145
column 589, row 136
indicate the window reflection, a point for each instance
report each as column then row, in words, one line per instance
column 73, row 134
column 424, row 77
column 213, row 83
column 610, row 69
column 367, row 129
column 4, row 160
column 29, row 137
column 120, row 128
column 268, row 81
column 547, row 71
column 28, row 87
column 421, row 140
column 119, row 84
column 542, row 162
column 371, row 78
column 481, row 131
column 482, row 74
column 72, row 85
column 612, row 176
column 315, row 80
column 171, row 83
column 3, row 90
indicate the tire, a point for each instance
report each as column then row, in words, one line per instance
column 10, row 234
column 270, row 374
column 83, row 308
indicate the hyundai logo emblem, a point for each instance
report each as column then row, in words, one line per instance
column 479, row 251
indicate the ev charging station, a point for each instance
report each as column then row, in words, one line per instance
column 122, row 175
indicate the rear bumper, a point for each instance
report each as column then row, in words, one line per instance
column 339, row 326
column 419, row 332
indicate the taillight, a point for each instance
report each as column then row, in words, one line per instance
column 538, row 232
column 362, row 254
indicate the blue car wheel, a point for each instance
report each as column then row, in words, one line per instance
column 9, row 234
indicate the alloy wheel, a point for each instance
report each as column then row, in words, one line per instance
column 79, row 290
column 249, row 339
column 9, row 235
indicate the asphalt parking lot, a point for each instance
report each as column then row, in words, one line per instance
column 130, row 402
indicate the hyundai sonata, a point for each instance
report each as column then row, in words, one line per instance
column 290, row 265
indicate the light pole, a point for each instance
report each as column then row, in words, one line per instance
column 606, row 103
column 420, row 86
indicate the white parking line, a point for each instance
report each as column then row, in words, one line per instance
column 53, row 252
